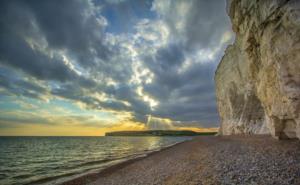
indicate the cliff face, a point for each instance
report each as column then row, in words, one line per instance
column 258, row 79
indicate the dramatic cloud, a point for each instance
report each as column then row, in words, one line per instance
column 138, row 59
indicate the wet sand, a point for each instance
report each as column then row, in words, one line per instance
column 209, row 160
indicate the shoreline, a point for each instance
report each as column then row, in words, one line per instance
column 209, row 160
column 91, row 176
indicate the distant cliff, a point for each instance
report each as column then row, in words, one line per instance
column 258, row 79
column 158, row 133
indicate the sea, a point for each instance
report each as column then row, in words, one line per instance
column 53, row 160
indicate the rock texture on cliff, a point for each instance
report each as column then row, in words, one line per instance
column 258, row 79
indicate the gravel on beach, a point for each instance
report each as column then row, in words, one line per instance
column 255, row 160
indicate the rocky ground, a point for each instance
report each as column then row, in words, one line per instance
column 211, row 160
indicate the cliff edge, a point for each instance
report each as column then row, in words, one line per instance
column 258, row 79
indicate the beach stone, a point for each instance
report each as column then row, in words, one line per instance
column 258, row 78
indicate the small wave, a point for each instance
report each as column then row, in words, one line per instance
column 7, row 171
column 3, row 176
column 89, row 163
column 23, row 176
column 48, row 179
column 43, row 161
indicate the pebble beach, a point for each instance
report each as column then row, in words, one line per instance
column 209, row 160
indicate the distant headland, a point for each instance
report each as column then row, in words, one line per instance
column 159, row 133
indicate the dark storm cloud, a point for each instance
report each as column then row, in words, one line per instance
column 118, row 95
column 65, row 31
column 167, row 59
column 72, row 25
column 165, row 65
column 187, row 96
column 65, row 25
column 17, row 53
column 170, row 78
column 18, row 86
column 127, row 93
column 202, row 25
column 76, row 49
column 210, row 20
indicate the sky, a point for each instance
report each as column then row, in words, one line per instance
column 85, row 67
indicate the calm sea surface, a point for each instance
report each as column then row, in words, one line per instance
column 51, row 160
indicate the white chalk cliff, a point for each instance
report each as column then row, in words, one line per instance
column 258, row 79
